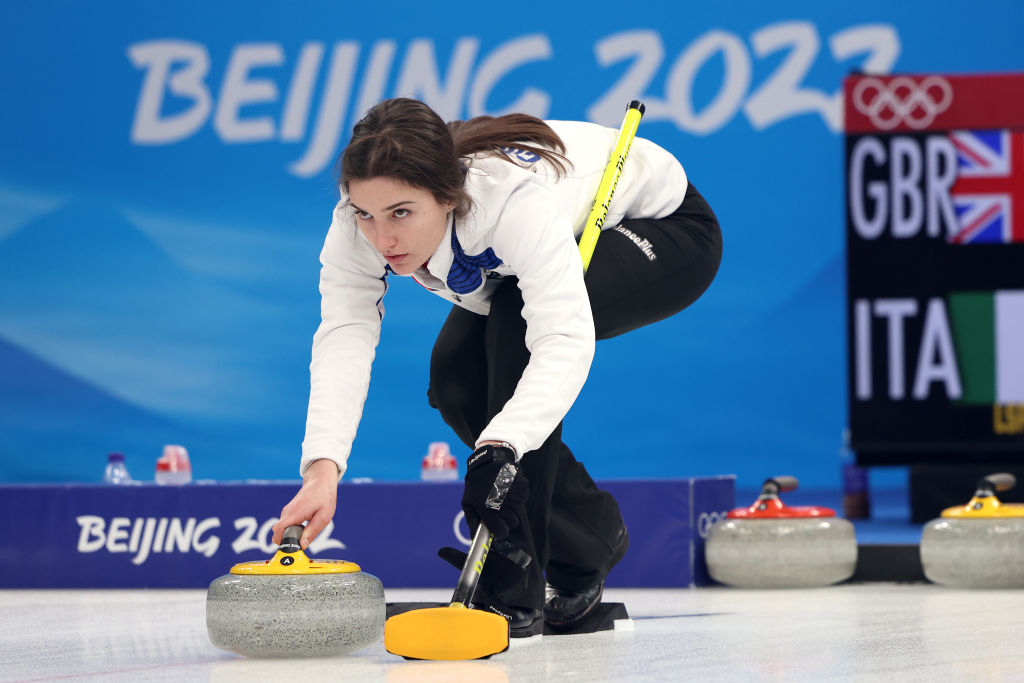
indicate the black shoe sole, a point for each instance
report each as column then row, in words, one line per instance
column 536, row 628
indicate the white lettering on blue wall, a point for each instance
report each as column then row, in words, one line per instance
column 267, row 94
column 143, row 536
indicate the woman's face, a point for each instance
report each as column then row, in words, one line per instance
column 403, row 222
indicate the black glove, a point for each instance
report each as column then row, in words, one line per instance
column 495, row 490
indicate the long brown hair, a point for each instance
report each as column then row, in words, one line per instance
column 405, row 139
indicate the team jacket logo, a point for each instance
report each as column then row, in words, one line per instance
column 902, row 100
column 522, row 156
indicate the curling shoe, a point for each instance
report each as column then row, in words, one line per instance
column 523, row 622
column 565, row 609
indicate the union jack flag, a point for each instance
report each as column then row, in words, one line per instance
column 988, row 195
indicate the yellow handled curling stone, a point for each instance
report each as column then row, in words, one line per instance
column 980, row 544
column 292, row 606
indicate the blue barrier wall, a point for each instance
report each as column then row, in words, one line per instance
column 166, row 182
column 148, row 536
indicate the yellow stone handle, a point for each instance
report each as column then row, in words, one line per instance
column 289, row 559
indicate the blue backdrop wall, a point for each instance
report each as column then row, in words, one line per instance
column 167, row 178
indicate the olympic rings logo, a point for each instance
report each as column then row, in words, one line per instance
column 902, row 100
column 706, row 520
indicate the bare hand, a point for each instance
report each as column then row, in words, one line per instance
column 315, row 502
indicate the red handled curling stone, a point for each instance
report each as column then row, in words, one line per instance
column 773, row 545
column 980, row 544
column 292, row 606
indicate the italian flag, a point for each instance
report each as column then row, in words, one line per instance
column 988, row 331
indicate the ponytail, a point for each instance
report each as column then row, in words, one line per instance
column 487, row 134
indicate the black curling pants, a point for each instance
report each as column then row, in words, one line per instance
column 642, row 271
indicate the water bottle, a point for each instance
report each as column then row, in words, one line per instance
column 116, row 472
column 439, row 464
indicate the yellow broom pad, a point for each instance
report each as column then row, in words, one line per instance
column 453, row 632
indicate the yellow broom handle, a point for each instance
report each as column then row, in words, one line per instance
column 605, row 190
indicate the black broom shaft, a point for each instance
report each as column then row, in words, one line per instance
column 474, row 564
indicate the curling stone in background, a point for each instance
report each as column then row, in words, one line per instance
column 980, row 544
column 772, row 545
column 291, row 606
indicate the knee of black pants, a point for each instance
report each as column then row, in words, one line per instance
column 458, row 389
column 459, row 405
column 449, row 393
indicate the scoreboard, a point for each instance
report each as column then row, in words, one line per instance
column 935, row 267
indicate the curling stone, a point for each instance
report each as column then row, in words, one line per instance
column 773, row 545
column 291, row 606
column 977, row 545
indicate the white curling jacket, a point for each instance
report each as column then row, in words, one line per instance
column 524, row 222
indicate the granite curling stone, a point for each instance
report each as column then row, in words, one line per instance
column 772, row 545
column 291, row 606
column 977, row 545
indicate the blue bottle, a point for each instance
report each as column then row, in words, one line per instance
column 116, row 472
